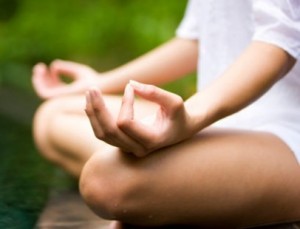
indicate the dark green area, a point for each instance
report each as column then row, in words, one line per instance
column 25, row 178
column 100, row 33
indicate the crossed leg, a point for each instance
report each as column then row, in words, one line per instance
column 219, row 178
column 63, row 134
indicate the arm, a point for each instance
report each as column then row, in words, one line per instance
column 251, row 75
column 166, row 63
column 254, row 72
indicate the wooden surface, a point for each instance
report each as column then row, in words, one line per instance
column 67, row 210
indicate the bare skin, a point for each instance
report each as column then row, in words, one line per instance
column 194, row 175
column 200, row 190
column 54, row 121
column 63, row 134
column 239, row 173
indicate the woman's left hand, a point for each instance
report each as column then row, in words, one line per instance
column 170, row 124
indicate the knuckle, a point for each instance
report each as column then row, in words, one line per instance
column 151, row 89
column 109, row 132
column 177, row 103
column 55, row 63
column 89, row 112
column 105, row 134
column 96, row 109
column 99, row 135
column 123, row 123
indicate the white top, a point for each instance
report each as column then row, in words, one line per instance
column 224, row 29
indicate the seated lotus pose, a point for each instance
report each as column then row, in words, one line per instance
column 227, row 157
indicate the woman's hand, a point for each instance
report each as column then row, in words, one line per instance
column 105, row 126
column 169, row 125
column 47, row 82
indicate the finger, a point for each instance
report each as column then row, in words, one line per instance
column 38, row 68
column 137, row 130
column 40, row 72
column 105, row 128
column 40, row 80
column 91, row 115
column 98, row 114
column 171, row 102
column 126, row 111
column 100, row 119
column 68, row 68
column 145, row 135
column 98, row 126
column 47, row 86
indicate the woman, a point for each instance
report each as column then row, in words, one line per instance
column 227, row 157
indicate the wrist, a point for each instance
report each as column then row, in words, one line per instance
column 196, row 120
column 202, row 111
column 110, row 83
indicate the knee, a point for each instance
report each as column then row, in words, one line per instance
column 109, row 185
column 41, row 123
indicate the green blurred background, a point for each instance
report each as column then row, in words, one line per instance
column 100, row 33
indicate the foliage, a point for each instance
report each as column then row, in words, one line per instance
column 101, row 33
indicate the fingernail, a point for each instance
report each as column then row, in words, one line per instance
column 128, row 87
column 128, row 90
column 136, row 84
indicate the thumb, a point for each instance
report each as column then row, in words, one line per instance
column 67, row 68
column 169, row 101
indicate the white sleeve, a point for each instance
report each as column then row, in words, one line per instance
column 189, row 26
column 278, row 22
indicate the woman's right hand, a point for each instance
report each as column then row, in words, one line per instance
column 169, row 125
column 47, row 81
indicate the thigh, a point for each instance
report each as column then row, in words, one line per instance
column 75, row 104
column 219, row 178
column 64, row 123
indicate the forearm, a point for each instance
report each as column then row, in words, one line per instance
column 166, row 63
column 251, row 75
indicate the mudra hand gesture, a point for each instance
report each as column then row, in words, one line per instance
column 170, row 124
column 47, row 82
